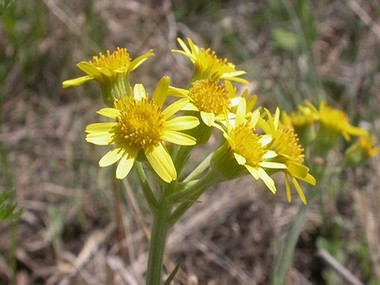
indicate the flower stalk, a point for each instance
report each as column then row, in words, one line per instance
column 159, row 234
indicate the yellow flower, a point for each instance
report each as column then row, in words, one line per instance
column 212, row 99
column 301, row 119
column 249, row 148
column 364, row 148
column 140, row 125
column 289, row 152
column 334, row 121
column 111, row 71
column 367, row 144
column 208, row 65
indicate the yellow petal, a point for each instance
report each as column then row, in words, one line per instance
column 111, row 157
column 259, row 173
column 89, row 68
column 162, row 163
column 297, row 170
column 208, row 118
column 299, row 190
column 106, row 72
column 181, row 123
column 264, row 141
column 240, row 159
column 109, row 113
column 254, row 119
column 125, row 165
column 76, row 81
column 183, row 45
column 99, row 138
column 309, row 179
column 267, row 180
column 100, row 127
column 253, row 171
column 190, row 107
column 174, row 108
column 139, row 92
column 161, row 91
column 139, row 60
column 273, row 165
column 177, row 92
column 178, row 138
column 240, row 113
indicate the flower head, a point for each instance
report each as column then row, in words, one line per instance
column 367, row 144
column 208, row 65
column 111, row 71
column 334, row 121
column 364, row 148
column 140, row 126
column 212, row 99
column 289, row 152
column 248, row 147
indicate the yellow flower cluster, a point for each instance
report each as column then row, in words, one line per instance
column 255, row 141
column 324, row 125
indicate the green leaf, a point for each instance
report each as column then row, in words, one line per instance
column 8, row 208
column 172, row 275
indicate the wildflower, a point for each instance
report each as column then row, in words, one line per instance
column 111, row 71
column 334, row 122
column 141, row 126
column 302, row 121
column 289, row 152
column 208, row 65
column 364, row 148
column 247, row 147
column 212, row 99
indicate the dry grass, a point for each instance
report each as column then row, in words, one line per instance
column 66, row 234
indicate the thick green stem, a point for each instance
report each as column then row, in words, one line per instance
column 160, row 230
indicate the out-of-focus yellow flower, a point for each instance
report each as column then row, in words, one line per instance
column 208, row 65
column 289, row 152
column 334, row 121
column 364, row 148
column 249, row 148
column 367, row 144
column 140, row 125
column 111, row 71
column 301, row 119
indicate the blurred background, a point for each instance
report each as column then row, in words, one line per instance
column 292, row 50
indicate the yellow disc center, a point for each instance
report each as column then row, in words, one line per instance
column 209, row 96
column 140, row 124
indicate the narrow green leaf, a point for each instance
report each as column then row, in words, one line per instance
column 172, row 275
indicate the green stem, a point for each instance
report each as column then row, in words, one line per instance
column 190, row 195
column 195, row 188
column 180, row 156
column 201, row 168
column 147, row 190
column 160, row 231
column 285, row 258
